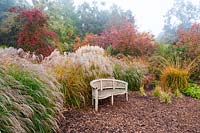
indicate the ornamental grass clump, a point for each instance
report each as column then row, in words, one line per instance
column 173, row 79
column 12, row 52
column 130, row 75
column 74, row 71
column 74, row 85
column 86, row 56
column 159, row 63
column 27, row 104
column 30, row 98
column 75, row 81
column 172, row 71
column 92, row 55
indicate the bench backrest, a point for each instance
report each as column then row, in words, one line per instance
column 108, row 83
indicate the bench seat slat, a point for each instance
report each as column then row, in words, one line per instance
column 109, row 92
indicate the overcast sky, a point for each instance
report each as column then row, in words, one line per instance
column 148, row 13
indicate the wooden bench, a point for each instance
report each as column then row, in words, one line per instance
column 104, row 88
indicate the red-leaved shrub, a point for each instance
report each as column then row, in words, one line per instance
column 190, row 40
column 125, row 39
column 35, row 36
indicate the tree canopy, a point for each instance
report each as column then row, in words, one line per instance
column 181, row 16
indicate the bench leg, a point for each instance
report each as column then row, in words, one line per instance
column 96, row 104
column 112, row 99
column 126, row 96
column 92, row 101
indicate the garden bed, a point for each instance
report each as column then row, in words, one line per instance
column 139, row 114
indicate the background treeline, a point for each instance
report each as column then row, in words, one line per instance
column 66, row 20
column 62, row 24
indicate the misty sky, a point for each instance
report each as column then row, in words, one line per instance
column 148, row 13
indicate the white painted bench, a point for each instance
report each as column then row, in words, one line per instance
column 104, row 88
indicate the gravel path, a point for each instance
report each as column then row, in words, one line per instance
column 139, row 115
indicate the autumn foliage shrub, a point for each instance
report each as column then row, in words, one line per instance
column 35, row 36
column 125, row 39
column 190, row 41
column 89, row 39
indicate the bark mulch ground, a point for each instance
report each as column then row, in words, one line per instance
column 140, row 114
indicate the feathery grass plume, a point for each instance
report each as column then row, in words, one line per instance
column 38, row 70
column 93, row 55
column 86, row 56
column 30, row 98
column 20, row 53
column 75, row 71
column 54, row 60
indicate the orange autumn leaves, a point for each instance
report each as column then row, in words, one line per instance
column 125, row 39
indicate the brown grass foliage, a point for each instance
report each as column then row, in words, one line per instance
column 173, row 79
